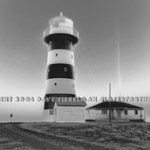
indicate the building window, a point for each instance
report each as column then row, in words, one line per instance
column 104, row 111
column 126, row 112
column 136, row 112
column 65, row 69
column 56, row 55
column 51, row 112
column 55, row 84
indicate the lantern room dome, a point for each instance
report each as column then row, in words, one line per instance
column 60, row 20
column 61, row 26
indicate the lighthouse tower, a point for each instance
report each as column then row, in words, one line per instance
column 60, row 37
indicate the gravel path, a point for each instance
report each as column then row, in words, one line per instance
column 12, row 137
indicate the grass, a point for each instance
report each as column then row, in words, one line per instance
column 131, row 135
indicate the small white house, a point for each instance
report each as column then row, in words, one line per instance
column 67, row 110
column 116, row 111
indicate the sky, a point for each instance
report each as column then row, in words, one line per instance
column 114, row 46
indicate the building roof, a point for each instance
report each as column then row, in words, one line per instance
column 114, row 105
column 73, row 102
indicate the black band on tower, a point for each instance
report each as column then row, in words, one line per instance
column 61, row 44
column 54, row 37
column 60, row 71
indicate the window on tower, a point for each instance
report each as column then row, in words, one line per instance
column 65, row 69
column 55, row 84
column 56, row 55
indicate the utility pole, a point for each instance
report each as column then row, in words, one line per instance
column 110, row 103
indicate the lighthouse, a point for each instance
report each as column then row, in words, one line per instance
column 61, row 38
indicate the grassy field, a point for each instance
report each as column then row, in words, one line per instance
column 119, row 136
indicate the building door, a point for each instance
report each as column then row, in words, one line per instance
column 119, row 114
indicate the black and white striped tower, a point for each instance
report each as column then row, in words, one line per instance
column 61, row 38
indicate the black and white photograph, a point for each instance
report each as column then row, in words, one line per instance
column 74, row 74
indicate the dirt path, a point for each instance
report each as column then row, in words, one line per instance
column 12, row 137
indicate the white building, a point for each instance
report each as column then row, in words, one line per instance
column 67, row 110
column 119, row 111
